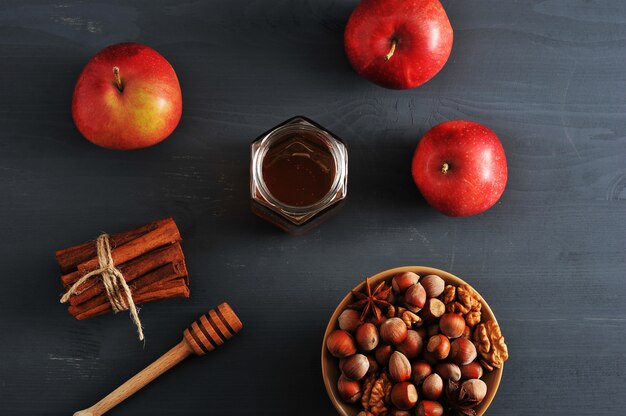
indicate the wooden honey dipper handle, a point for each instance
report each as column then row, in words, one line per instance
column 139, row 380
column 204, row 335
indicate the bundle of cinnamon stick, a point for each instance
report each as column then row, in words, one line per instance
column 149, row 257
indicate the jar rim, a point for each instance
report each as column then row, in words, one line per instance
column 280, row 133
column 335, row 147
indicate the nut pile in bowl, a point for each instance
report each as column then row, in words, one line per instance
column 413, row 341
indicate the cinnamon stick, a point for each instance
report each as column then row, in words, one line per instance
column 150, row 293
column 131, row 270
column 152, row 281
column 69, row 258
column 168, row 271
column 163, row 235
column 178, row 290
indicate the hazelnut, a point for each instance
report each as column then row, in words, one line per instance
column 393, row 331
column 439, row 346
column 404, row 395
column 398, row 412
column 467, row 332
column 428, row 408
column 462, row 351
column 432, row 388
column 401, row 282
column 475, row 390
column 448, row 371
column 415, row 298
column 399, row 367
column 366, row 337
column 382, row 354
column 355, row 367
column 433, row 309
column 433, row 285
column 452, row 325
column 373, row 365
column 412, row 345
column 349, row 390
column 419, row 371
column 349, row 320
column 472, row 370
column 340, row 344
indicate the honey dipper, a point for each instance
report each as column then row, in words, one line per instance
column 202, row 336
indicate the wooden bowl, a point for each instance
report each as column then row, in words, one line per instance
column 330, row 364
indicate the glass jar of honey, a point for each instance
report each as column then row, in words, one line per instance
column 298, row 175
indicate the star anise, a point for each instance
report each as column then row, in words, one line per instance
column 459, row 401
column 372, row 301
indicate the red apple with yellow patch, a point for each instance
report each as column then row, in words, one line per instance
column 127, row 97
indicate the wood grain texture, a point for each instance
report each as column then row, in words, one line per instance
column 546, row 75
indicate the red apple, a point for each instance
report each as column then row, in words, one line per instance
column 127, row 97
column 398, row 43
column 460, row 168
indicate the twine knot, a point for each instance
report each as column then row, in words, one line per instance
column 118, row 291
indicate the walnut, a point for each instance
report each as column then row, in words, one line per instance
column 367, row 390
column 411, row 319
column 391, row 312
column 472, row 318
column 490, row 345
column 468, row 297
column 376, row 394
column 449, row 294
column 465, row 301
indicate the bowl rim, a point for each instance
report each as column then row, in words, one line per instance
column 345, row 409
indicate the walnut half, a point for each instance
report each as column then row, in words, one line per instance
column 410, row 319
column 490, row 345
column 377, row 394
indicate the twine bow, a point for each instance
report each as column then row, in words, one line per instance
column 117, row 289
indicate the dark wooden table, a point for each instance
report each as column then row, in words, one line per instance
column 548, row 76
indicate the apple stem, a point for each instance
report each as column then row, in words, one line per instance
column 394, row 42
column 118, row 79
column 444, row 168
